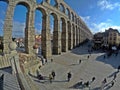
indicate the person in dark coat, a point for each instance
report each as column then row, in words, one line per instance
column 119, row 68
column 1, row 46
column 69, row 76
column 88, row 56
column 80, row 61
column 53, row 74
column 93, row 79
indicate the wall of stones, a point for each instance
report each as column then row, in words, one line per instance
column 74, row 30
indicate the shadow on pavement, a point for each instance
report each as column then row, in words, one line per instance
column 96, row 88
column 112, row 60
column 112, row 74
column 46, row 81
column 7, row 69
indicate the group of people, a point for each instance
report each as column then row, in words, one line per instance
column 53, row 74
column 110, row 84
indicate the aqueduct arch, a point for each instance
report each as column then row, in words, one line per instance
column 74, row 30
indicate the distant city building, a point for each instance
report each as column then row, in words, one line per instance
column 98, row 39
column 110, row 37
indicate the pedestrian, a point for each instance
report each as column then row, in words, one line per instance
column 103, row 83
column 80, row 61
column 87, row 84
column 118, row 68
column 46, row 61
column 50, row 78
column 93, row 79
column 69, row 76
column 2, row 77
column 88, row 56
column 53, row 74
column 112, row 83
column 51, row 60
column 105, row 80
column 1, row 46
column 115, row 75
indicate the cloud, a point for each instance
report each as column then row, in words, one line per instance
column 101, row 27
column 37, row 31
column 86, row 18
column 38, row 28
column 18, row 29
column 105, row 4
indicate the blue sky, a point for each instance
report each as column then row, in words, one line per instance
column 97, row 14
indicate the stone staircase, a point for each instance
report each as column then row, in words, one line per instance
column 30, row 82
column 10, row 81
column 4, row 61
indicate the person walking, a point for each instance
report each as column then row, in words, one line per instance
column 103, row 83
column 69, row 76
column 93, row 79
column 118, row 68
column 53, row 74
column 88, row 56
column 80, row 61
column 50, row 78
column 114, row 77
column 112, row 83
column 51, row 60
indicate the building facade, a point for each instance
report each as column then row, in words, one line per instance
column 110, row 37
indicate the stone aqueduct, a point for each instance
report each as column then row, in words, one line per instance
column 74, row 30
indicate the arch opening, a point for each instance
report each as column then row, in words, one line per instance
column 38, row 31
column 19, row 25
column 63, row 31
column 68, row 13
column 3, row 9
column 39, row 26
column 72, row 17
column 69, row 35
column 54, row 33
column 39, row 1
column 53, row 2
column 62, row 8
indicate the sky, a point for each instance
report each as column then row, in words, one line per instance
column 97, row 14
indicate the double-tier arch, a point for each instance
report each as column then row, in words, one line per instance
column 62, row 8
column 68, row 13
column 67, row 17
